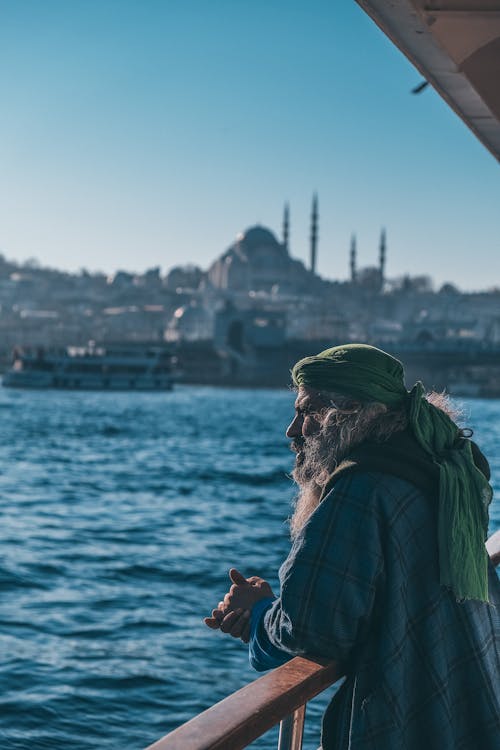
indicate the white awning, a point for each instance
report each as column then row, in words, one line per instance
column 455, row 44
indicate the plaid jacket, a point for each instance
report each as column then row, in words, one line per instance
column 361, row 586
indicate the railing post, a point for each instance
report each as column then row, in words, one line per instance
column 292, row 730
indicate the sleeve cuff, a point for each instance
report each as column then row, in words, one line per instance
column 262, row 653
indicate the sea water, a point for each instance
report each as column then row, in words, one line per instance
column 120, row 517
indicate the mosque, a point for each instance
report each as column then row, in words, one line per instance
column 258, row 262
column 256, row 305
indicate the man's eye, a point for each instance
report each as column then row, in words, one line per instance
column 309, row 413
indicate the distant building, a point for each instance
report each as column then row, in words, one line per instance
column 121, row 279
column 150, row 279
column 244, row 330
column 191, row 322
column 183, row 277
column 258, row 262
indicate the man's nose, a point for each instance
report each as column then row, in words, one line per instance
column 295, row 427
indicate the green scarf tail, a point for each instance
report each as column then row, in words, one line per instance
column 369, row 374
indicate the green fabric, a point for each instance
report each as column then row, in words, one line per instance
column 357, row 370
column 369, row 374
column 464, row 497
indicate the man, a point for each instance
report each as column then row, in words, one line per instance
column 388, row 572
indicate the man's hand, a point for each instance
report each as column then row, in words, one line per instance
column 233, row 613
column 237, row 624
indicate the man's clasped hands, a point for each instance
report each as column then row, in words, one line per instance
column 232, row 614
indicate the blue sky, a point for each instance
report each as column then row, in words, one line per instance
column 136, row 133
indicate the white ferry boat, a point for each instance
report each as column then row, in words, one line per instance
column 117, row 367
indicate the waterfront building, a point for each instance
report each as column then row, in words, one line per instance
column 191, row 322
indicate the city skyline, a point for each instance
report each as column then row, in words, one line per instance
column 145, row 134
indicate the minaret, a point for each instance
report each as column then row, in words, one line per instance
column 314, row 232
column 353, row 258
column 286, row 226
column 382, row 251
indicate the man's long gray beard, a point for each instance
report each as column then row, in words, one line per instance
column 317, row 458
column 319, row 455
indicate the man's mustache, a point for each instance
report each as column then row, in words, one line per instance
column 297, row 444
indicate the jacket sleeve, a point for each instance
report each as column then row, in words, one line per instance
column 331, row 577
column 261, row 652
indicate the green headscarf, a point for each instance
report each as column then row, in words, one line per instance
column 369, row 374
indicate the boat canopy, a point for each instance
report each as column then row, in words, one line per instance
column 455, row 44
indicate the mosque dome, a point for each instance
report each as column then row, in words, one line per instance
column 257, row 237
column 256, row 261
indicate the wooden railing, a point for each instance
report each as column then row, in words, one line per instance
column 279, row 696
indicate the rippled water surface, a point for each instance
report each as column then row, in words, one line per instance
column 121, row 514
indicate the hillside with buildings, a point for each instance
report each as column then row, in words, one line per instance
column 255, row 309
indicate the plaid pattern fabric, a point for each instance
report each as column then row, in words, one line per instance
column 361, row 586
